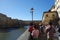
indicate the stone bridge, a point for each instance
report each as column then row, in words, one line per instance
column 27, row 22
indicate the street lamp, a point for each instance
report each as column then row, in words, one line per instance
column 32, row 10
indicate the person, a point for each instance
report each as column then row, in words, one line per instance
column 30, row 30
column 31, row 27
column 35, row 33
column 50, row 31
column 58, row 26
column 46, row 30
column 58, row 30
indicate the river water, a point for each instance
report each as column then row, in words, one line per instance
column 11, row 34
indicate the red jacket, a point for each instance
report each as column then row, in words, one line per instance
column 31, row 29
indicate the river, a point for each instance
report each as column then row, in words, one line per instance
column 11, row 34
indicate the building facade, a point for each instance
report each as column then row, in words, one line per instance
column 50, row 16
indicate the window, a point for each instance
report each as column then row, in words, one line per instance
column 53, row 15
column 47, row 15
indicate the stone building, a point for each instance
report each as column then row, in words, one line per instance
column 50, row 16
column 53, row 14
column 57, row 6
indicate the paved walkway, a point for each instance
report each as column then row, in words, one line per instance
column 24, row 36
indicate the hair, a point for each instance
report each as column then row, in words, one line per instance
column 36, row 27
column 50, row 23
column 31, row 23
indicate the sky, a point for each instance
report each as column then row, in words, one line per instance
column 20, row 9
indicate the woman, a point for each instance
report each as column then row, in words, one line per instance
column 35, row 33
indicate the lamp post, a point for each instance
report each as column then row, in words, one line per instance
column 32, row 10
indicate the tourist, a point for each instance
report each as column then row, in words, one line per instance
column 58, row 30
column 30, row 30
column 41, row 28
column 50, row 31
column 31, row 27
column 46, row 31
column 35, row 33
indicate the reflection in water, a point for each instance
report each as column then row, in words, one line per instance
column 26, row 27
column 11, row 34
